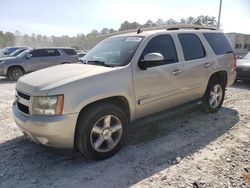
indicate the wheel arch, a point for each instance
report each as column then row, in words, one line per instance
column 119, row 101
column 221, row 75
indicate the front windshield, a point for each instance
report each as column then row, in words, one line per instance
column 113, row 52
column 24, row 52
column 15, row 53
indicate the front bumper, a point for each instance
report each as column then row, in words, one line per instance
column 54, row 131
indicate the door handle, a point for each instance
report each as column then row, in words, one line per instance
column 206, row 65
column 176, row 72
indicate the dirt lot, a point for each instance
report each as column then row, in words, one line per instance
column 191, row 149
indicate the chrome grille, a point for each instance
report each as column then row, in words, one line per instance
column 23, row 102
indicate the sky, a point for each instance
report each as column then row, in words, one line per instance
column 72, row 17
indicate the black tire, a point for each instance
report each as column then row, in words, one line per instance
column 85, row 134
column 207, row 98
column 14, row 73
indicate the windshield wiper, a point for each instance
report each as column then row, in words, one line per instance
column 99, row 63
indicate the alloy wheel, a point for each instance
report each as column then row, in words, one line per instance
column 216, row 95
column 106, row 133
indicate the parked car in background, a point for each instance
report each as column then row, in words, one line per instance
column 124, row 78
column 243, row 68
column 15, row 53
column 81, row 54
column 34, row 59
column 9, row 50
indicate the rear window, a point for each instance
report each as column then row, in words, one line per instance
column 69, row 51
column 218, row 43
column 191, row 46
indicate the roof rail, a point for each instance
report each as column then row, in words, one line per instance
column 189, row 26
column 165, row 27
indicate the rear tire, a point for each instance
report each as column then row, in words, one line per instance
column 214, row 96
column 14, row 73
column 100, row 131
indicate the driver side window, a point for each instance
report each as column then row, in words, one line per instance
column 163, row 44
column 37, row 53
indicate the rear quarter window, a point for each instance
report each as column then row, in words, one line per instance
column 219, row 43
column 69, row 51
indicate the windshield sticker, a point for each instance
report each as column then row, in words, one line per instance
column 133, row 39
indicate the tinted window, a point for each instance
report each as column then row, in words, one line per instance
column 69, row 51
column 15, row 53
column 162, row 44
column 45, row 53
column 218, row 43
column 52, row 52
column 191, row 46
column 37, row 53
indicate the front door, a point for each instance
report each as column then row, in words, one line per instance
column 160, row 87
column 42, row 58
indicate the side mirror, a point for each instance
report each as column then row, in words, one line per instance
column 151, row 60
column 28, row 56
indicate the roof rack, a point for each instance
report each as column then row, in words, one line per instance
column 166, row 27
column 189, row 26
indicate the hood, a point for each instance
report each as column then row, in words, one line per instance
column 4, row 58
column 40, row 81
column 243, row 62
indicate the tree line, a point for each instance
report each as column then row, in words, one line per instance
column 87, row 41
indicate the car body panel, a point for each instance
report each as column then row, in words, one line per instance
column 243, row 68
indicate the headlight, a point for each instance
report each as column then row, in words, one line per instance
column 49, row 105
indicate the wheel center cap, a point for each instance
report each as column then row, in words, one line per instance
column 106, row 134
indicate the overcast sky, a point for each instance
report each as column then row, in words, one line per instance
column 71, row 17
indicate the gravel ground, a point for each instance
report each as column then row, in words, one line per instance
column 190, row 149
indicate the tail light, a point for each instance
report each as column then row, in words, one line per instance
column 234, row 61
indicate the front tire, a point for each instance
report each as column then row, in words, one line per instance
column 100, row 131
column 14, row 73
column 214, row 96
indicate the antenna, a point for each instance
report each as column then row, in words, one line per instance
column 139, row 31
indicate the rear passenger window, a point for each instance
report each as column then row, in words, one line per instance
column 163, row 44
column 191, row 46
column 52, row 52
column 218, row 43
column 69, row 51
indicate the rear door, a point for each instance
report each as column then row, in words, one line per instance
column 52, row 57
column 197, row 62
column 70, row 56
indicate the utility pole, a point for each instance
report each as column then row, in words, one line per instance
column 218, row 24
